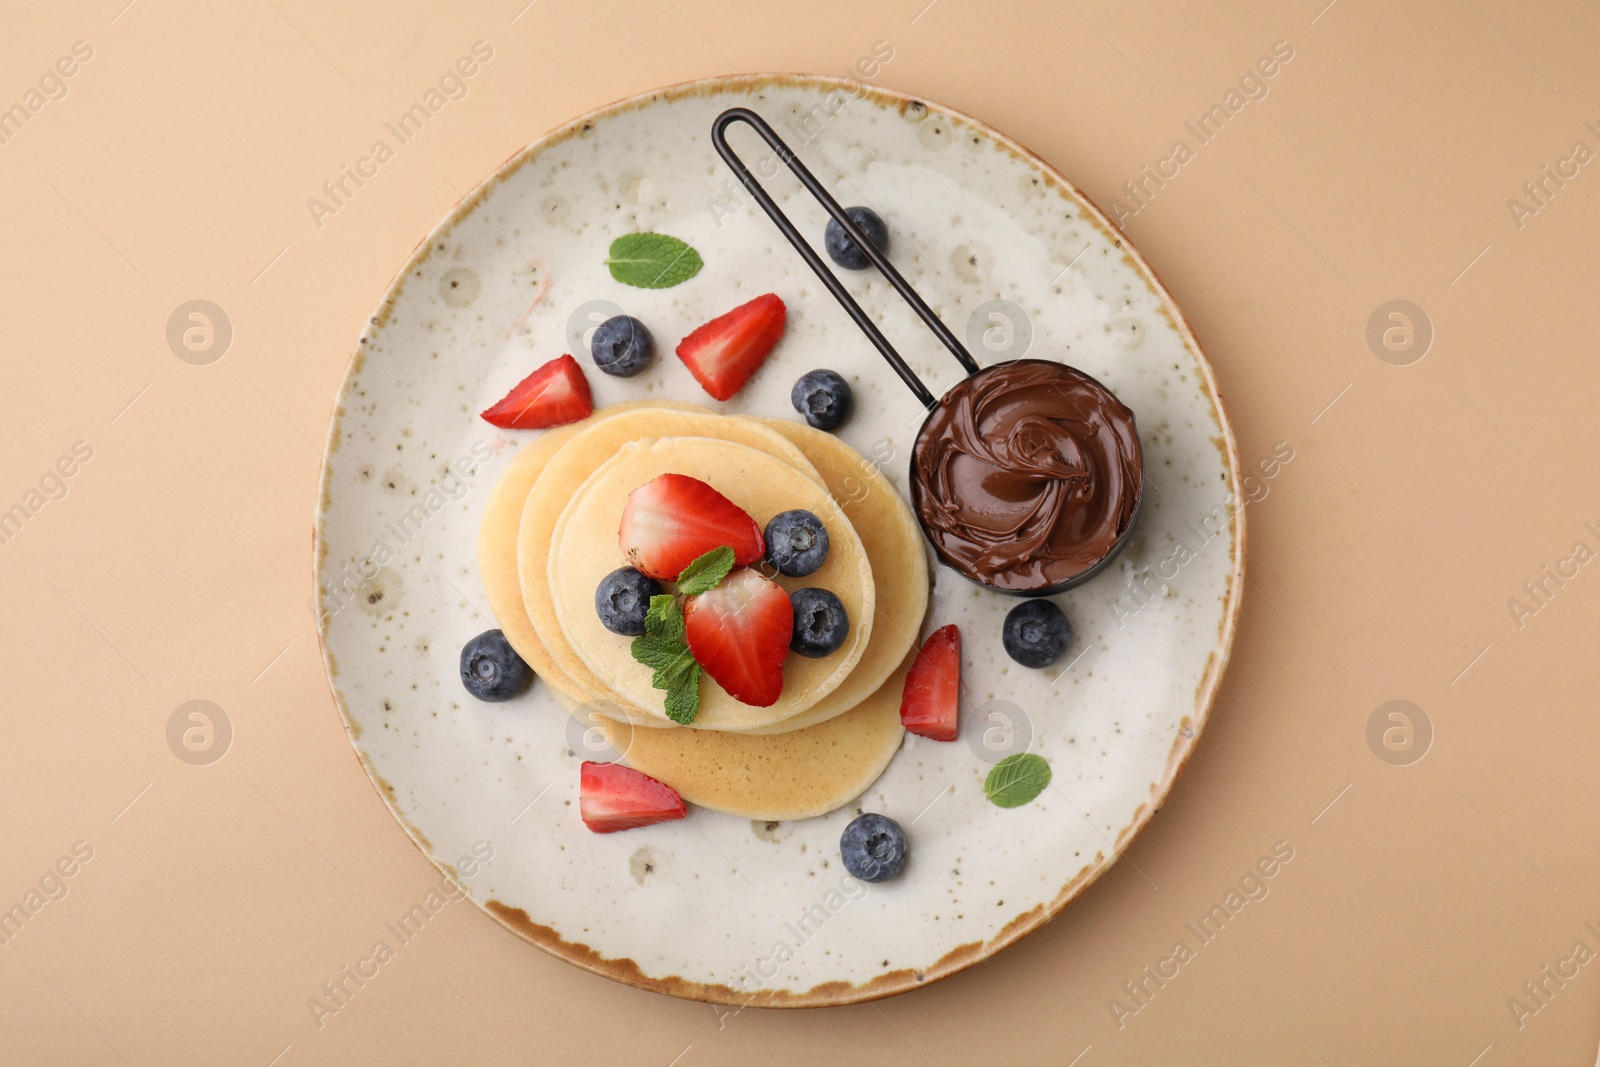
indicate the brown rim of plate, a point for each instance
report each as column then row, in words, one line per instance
column 958, row 959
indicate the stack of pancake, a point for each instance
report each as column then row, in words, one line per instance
column 549, row 536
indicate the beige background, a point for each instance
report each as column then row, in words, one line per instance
column 219, row 898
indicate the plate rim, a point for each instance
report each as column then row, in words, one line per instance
column 890, row 983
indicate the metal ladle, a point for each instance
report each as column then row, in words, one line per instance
column 719, row 128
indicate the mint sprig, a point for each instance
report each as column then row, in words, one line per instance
column 683, row 701
column 664, row 618
column 702, row 575
column 659, row 653
column 1016, row 780
column 652, row 260
column 663, row 650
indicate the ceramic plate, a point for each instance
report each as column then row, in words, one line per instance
column 716, row 907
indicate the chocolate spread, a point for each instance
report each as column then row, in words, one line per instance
column 1026, row 475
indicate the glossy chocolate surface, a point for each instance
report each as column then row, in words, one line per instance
column 1027, row 476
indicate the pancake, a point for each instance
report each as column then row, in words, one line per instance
column 562, row 473
column 584, row 550
column 896, row 550
column 793, row 775
column 497, row 544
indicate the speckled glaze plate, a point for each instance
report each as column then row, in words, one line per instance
column 716, row 907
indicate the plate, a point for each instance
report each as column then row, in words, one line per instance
column 714, row 907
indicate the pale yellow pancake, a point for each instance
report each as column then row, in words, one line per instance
column 896, row 549
column 793, row 775
column 812, row 770
column 567, row 469
column 584, row 550
column 880, row 515
column 497, row 543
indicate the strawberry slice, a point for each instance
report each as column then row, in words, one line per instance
column 612, row 797
column 554, row 394
column 670, row 522
column 724, row 352
column 740, row 633
column 930, row 701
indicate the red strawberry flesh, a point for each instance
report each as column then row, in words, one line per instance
column 555, row 394
column 672, row 521
column 724, row 352
column 612, row 797
column 740, row 633
column 930, row 702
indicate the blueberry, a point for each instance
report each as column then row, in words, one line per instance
column 1036, row 633
column 873, row 847
column 823, row 397
column 491, row 669
column 842, row 248
column 622, row 346
column 820, row 624
column 622, row 598
column 797, row 542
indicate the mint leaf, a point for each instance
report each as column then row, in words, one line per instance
column 658, row 653
column 673, row 674
column 683, row 700
column 664, row 618
column 652, row 260
column 703, row 574
column 670, row 659
column 1016, row 780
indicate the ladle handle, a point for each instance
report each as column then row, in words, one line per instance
column 719, row 138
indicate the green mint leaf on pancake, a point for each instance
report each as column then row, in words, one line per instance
column 701, row 576
column 663, row 650
column 676, row 672
column 683, row 699
column 664, row 618
column 652, row 260
column 1016, row 780
column 658, row 653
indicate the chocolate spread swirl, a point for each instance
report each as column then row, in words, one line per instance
column 1026, row 475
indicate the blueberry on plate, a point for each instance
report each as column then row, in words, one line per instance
column 820, row 624
column 621, row 346
column 491, row 669
column 1036, row 633
column 622, row 598
column 824, row 398
column 873, row 847
column 842, row 248
column 797, row 542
